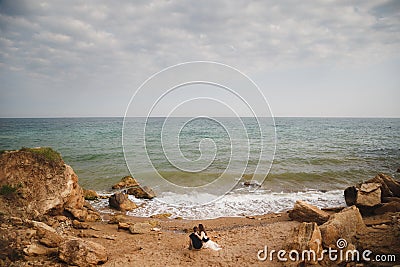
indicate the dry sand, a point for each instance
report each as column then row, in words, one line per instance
column 240, row 238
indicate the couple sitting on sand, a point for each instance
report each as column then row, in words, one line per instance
column 199, row 239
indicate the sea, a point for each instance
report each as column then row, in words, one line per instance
column 311, row 159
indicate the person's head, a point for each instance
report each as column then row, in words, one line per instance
column 201, row 228
column 195, row 229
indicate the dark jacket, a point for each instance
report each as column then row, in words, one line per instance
column 196, row 241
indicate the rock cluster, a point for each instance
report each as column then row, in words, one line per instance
column 42, row 185
column 120, row 200
column 346, row 224
column 376, row 196
column 127, row 181
column 344, row 230
column 132, row 187
column 40, row 201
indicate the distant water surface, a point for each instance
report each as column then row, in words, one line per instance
column 315, row 158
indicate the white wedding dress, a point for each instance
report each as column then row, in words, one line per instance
column 209, row 244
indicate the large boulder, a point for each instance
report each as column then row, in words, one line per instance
column 389, row 186
column 304, row 212
column 306, row 237
column 120, row 201
column 76, row 251
column 346, row 224
column 139, row 192
column 393, row 206
column 127, row 181
column 365, row 195
column 369, row 195
column 47, row 235
column 42, row 181
column 350, row 195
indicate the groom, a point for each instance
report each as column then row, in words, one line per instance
column 195, row 241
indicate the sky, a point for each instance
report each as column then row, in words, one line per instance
column 309, row 58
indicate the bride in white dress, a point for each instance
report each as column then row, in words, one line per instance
column 207, row 243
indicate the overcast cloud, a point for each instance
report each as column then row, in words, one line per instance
column 310, row 58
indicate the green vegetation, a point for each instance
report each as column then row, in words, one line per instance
column 6, row 190
column 47, row 152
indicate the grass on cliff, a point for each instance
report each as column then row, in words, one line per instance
column 6, row 190
column 47, row 152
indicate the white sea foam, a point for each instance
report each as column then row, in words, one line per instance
column 234, row 204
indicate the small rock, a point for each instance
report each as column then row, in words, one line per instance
column 139, row 192
column 161, row 216
column 80, row 225
column 93, row 216
column 153, row 223
column 38, row 250
column 61, row 218
column 127, row 181
column 29, row 233
column 122, row 225
column 82, row 253
column 87, row 235
column 140, row 228
column 41, row 225
column 117, row 219
column 79, row 214
column 251, row 183
column 47, row 235
column 90, row 194
column 304, row 212
column 109, row 237
column 121, row 202
column 381, row 226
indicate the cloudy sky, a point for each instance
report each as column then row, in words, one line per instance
column 87, row 58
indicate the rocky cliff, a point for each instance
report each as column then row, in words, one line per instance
column 40, row 202
column 36, row 182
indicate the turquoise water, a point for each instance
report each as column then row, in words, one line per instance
column 315, row 158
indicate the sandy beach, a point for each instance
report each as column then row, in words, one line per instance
column 240, row 238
